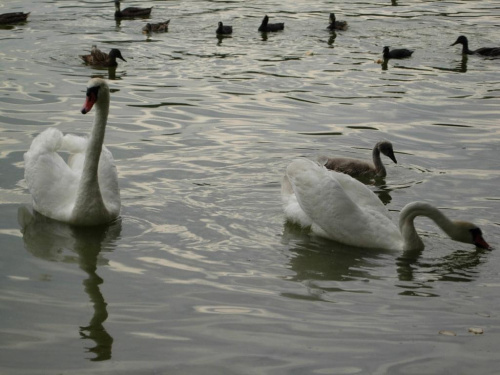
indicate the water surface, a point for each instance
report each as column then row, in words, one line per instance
column 201, row 275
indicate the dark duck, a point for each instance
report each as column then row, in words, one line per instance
column 265, row 26
column 102, row 59
column 484, row 51
column 159, row 27
column 12, row 18
column 131, row 12
column 223, row 29
column 336, row 25
column 399, row 53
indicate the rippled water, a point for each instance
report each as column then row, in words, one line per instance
column 201, row 275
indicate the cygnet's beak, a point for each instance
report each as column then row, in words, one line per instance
column 393, row 157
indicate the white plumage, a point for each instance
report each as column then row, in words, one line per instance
column 84, row 190
column 339, row 207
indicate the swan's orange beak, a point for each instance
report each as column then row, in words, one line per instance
column 480, row 242
column 89, row 102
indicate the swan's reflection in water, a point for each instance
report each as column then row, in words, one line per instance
column 58, row 242
column 315, row 260
column 324, row 265
column 460, row 266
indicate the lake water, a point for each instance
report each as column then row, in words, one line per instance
column 201, row 275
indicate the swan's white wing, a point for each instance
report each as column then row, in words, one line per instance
column 76, row 146
column 291, row 207
column 51, row 182
column 325, row 200
column 360, row 193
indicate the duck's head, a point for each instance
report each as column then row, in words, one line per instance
column 332, row 18
column 116, row 54
column 470, row 233
column 462, row 39
column 385, row 147
column 146, row 29
column 265, row 21
column 117, row 5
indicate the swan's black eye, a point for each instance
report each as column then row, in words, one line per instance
column 476, row 232
column 93, row 91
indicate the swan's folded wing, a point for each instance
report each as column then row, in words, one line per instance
column 337, row 212
column 76, row 147
column 291, row 207
column 50, row 181
column 360, row 193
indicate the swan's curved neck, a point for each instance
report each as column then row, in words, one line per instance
column 377, row 162
column 411, row 238
column 89, row 196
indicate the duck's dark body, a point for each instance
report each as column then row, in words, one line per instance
column 399, row 53
column 224, row 30
column 265, row 26
column 12, row 18
column 131, row 12
column 336, row 25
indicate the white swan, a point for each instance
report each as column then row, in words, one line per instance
column 341, row 208
column 361, row 168
column 84, row 191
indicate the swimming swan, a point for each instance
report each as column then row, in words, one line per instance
column 341, row 208
column 361, row 168
column 84, row 191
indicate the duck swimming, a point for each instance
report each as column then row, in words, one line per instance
column 336, row 206
column 399, row 53
column 13, row 17
column 156, row 27
column 361, row 168
column 336, row 25
column 223, row 29
column 265, row 26
column 102, row 59
column 131, row 12
column 484, row 51
column 84, row 190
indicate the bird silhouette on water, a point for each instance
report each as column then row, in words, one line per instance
column 483, row 51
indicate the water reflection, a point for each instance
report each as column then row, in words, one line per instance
column 460, row 67
column 384, row 64
column 317, row 259
column 460, row 266
column 221, row 37
column 58, row 242
column 332, row 37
